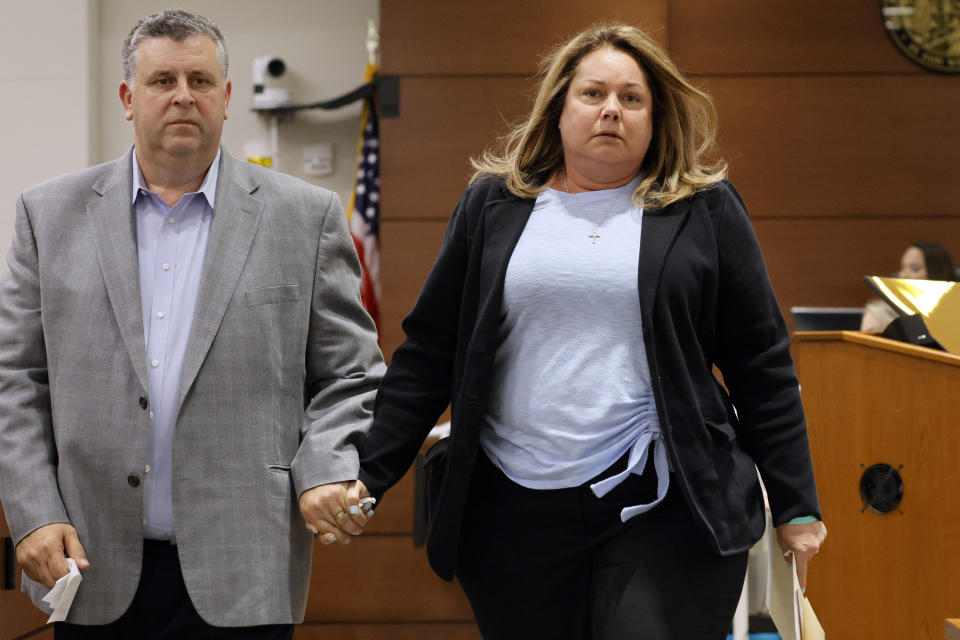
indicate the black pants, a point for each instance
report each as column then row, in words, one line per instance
column 559, row 564
column 161, row 609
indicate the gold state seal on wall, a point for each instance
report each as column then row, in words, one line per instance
column 926, row 31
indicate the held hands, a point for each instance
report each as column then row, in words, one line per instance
column 336, row 511
column 801, row 542
column 43, row 553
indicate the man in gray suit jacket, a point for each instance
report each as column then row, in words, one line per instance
column 184, row 361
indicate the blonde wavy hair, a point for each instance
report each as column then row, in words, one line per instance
column 682, row 157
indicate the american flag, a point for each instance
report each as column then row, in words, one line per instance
column 364, row 211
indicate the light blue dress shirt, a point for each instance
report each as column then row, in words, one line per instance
column 171, row 243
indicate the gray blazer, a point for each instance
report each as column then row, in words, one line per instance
column 278, row 385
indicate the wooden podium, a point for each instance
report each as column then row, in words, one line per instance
column 871, row 400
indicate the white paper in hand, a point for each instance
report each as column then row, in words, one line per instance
column 782, row 601
column 61, row 596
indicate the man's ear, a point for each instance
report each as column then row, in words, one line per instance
column 227, row 87
column 126, row 97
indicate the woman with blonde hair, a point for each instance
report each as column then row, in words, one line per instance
column 599, row 481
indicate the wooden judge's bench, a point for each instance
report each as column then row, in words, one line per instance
column 379, row 587
column 884, row 425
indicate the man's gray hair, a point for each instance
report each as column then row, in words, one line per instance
column 176, row 24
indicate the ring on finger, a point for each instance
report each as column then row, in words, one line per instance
column 340, row 516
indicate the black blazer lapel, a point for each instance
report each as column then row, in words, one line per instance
column 658, row 232
column 503, row 223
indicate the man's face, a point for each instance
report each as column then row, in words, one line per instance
column 178, row 101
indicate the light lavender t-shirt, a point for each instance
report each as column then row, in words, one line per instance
column 571, row 391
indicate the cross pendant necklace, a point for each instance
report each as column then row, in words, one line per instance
column 595, row 235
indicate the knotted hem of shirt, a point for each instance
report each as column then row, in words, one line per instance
column 636, row 463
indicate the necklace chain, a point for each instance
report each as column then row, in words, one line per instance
column 595, row 234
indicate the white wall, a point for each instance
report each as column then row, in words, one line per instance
column 49, row 96
column 62, row 68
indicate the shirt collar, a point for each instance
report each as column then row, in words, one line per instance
column 208, row 187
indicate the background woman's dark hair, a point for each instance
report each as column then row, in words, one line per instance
column 937, row 260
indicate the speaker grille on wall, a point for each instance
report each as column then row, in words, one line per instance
column 881, row 488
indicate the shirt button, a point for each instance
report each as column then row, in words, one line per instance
column 165, row 266
column 155, row 363
column 171, row 220
column 133, row 481
column 144, row 522
column 151, row 415
column 146, row 469
column 143, row 402
column 160, row 314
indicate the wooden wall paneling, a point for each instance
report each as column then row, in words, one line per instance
column 408, row 250
column 800, row 146
column 443, row 122
column 394, row 515
column 18, row 616
column 4, row 533
column 841, row 146
column 421, row 631
column 461, row 37
column 380, row 579
column 782, row 37
column 821, row 262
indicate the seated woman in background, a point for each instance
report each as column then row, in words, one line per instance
column 927, row 261
column 921, row 261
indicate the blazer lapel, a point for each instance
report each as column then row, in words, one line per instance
column 115, row 233
column 236, row 218
column 658, row 232
column 503, row 223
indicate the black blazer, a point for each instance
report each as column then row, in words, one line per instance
column 705, row 300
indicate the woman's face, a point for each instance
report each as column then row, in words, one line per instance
column 912, row 264
column 607, row 120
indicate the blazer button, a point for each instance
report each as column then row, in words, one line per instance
column 133, row 481
column 143, row 402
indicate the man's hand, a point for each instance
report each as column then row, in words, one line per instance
column 802, row 542
column 333, row 511
column 43, row 553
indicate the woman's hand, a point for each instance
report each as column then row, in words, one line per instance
column 334, row 512
column 801, row 542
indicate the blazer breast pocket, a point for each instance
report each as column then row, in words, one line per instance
column 273, row 295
